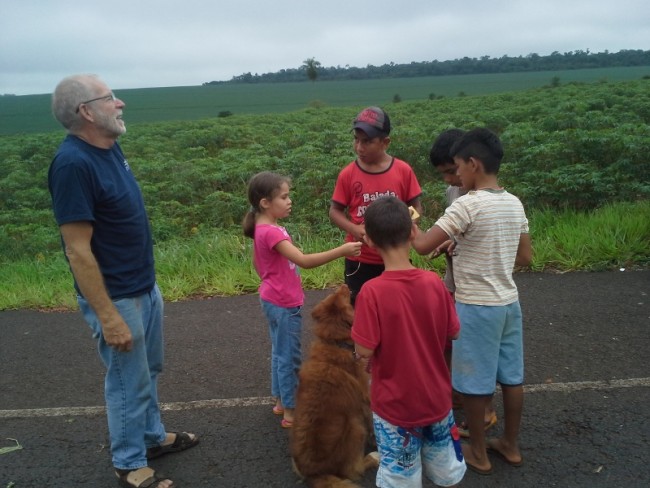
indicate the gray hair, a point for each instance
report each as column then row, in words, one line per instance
column 68, row 95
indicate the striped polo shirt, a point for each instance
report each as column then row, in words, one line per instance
column 487, row 225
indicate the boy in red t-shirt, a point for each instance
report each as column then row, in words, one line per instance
column 402, row 322
column 374, row 174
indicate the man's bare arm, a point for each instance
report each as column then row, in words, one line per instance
column 76, row 237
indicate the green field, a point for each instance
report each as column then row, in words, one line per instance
column 31, row 113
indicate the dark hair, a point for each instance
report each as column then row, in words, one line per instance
column 262, row 185
column 388, row 222
column 482, row 144
column 439, row 153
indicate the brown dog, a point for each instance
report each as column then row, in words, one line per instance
column 332, row 422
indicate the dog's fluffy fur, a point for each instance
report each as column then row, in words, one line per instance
column 332, row 422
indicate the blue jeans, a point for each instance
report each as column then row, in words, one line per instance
column 285, row 327
column 131, row 381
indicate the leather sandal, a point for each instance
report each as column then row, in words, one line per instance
column 140, row 478
column 182, row 442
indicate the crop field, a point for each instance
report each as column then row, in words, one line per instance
column 575, row 156
column 31, row 113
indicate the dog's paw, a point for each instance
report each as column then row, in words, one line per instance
column 372, row 460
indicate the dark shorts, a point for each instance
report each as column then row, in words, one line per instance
column 357, row 273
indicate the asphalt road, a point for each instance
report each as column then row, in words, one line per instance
column 586, row 416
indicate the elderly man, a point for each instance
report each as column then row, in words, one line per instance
column 107, row 240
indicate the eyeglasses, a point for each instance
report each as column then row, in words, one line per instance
column 110, row 97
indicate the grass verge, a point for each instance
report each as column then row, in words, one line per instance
column 219, row 263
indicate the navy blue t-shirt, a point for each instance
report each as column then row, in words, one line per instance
column 96, row 185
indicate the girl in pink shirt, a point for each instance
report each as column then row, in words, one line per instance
column 277, row 262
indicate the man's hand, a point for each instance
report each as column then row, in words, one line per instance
column 118, row 335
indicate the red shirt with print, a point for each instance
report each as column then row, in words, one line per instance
column 356, row 189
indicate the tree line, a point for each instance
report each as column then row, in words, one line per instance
column 312, row 69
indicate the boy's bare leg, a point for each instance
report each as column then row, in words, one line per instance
column 456, row 398
column 513, row 403
column 489, row 410
column 475, row 452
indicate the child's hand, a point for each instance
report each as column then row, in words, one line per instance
column 351, row 248
column 359, row 232
column 446, row 247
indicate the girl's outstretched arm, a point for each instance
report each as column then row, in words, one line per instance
column 307, row 261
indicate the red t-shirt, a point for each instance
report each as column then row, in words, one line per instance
column 406, row 318
column 356, row 189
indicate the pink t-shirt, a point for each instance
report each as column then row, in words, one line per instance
column 406, row 317
column 281, row 283
column 356, row 189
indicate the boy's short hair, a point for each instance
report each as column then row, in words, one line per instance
column 482, row 144
column 440, row 150
column 388, row 222
column 373, row 121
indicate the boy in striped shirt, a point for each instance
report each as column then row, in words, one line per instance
column 491, row 228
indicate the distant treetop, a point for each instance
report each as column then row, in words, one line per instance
column 464, row 66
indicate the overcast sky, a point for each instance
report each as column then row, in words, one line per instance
column 145, row 43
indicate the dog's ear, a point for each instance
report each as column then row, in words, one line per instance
column 343, row 303
column 321, row 310
column 332, row 303
column 334, row 315
column 344, row 290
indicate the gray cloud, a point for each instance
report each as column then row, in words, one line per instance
column 172, row 42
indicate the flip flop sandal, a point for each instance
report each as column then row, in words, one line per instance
column 182, row 442
column 286, row 424
column 491, row 446
column 140, row 478
column 463, row 429
column 477, row 470
column 278, row 410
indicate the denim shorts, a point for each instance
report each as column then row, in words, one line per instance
column 489, row 349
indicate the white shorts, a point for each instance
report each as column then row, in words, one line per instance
column 403, row 451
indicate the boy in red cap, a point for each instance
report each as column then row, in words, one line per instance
column 373, row 174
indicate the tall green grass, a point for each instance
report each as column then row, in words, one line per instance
column 614, row 236
column 219, row 262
